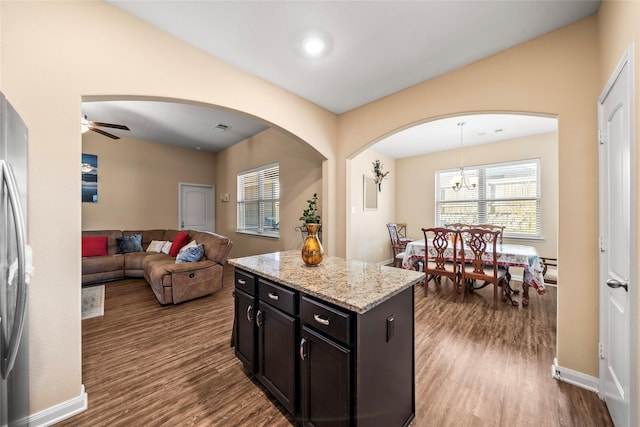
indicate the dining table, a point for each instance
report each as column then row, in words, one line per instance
column 508, row 255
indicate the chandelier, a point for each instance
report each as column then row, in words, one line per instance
column 460, row 180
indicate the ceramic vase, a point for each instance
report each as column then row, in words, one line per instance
column 312, row 252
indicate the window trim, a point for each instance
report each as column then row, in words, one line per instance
column 482, row 190
column 260, row 231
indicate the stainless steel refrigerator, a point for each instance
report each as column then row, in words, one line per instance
column 15, row 268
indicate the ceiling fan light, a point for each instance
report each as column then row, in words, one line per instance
column 84, row 124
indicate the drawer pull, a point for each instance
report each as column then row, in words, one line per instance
column 259, row 320
column 273, row 296
column 322, row 320
column 249, row 316
column 192, row 275
column 242, row 281
column 303, row 341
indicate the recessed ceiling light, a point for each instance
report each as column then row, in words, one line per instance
column 314, row 46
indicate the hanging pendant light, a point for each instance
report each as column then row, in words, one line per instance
column 460, row 180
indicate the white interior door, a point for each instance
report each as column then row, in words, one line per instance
column 197, row 208
column 617, row 251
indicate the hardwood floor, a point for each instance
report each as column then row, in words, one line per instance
column 148, row 365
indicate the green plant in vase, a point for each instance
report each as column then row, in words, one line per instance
column 312, row 252
column 310, row 215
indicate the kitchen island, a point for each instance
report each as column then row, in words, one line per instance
column 333, row 343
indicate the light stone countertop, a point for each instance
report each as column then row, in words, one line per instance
column 355, row 285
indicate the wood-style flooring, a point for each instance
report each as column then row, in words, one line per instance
column 149, row 365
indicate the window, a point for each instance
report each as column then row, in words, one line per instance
column 508, row 194
column 259, row 201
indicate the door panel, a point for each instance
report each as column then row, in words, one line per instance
column 197, row 207
column 617, row 223
column 277, row 339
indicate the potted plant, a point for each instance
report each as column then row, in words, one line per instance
column 312, row 252
column 310, row 215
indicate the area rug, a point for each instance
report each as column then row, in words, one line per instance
column 92, row 301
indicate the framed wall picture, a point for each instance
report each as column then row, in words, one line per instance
column 370, row 193
column 89, row 169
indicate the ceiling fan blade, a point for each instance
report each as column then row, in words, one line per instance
column 109, row 125
column 101, row 132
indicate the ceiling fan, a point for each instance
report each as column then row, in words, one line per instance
column 88, row 125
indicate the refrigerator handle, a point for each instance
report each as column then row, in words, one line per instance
column 21, row 302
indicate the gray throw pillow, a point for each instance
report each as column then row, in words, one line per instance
column 190, row 253
column 127, row 244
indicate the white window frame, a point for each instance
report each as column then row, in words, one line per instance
column 258, row 225
column 479, row 196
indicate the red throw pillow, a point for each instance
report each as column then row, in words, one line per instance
column 94, row 246
column 181, row 239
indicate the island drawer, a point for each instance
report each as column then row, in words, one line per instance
column 246, row 282
column 330, row 321
column 277, row 296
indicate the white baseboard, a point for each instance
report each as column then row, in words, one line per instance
column 60, row 412
column 574, row 377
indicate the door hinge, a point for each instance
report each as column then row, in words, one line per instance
column 601, row 140
column 601, row 244
column 601, row 351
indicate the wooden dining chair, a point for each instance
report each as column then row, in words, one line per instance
column 490, row 227
column 438, row 260
column 398, row 244
column 480, row 260
column 550, row 270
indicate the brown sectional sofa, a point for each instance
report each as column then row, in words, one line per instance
column 171, row 282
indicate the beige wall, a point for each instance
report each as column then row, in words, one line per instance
column 556, row 74
column 45, row 72
column 369, row 238
column 138, row 182
column 416, row 182
column 54, row 53
column 300, row 177
column 618, row 25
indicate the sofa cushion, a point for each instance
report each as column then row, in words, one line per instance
column 147, row 235
column 112, row 244
column 94, row 246
column 181, row 240
column 166, row 247
column 134, row 262
column 128, row 244
column 216, row 247
column 190, row 253
column 100, row 264
column 156, row 246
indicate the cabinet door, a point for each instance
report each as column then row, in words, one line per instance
column 325, row 395
column 277, row 354
column 245, row 335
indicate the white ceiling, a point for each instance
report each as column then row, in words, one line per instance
column 376, row 47
column 445, row 134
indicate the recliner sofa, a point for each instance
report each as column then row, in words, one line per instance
column 171, row 282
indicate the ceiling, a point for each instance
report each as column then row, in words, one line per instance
column 375, row 48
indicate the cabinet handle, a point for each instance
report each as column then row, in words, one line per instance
column 242, row 282
column 259, row 321
column 249, row 317
column 322, row 320
column 303, row 341
column 273, row 296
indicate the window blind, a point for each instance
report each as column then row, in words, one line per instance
column 507, row 194
column 259, row 201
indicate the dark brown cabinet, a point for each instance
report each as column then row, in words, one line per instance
column 325, row 374
column 244, row 322
column 327, row 365
column 277, row 332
